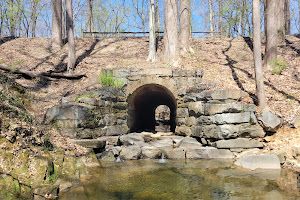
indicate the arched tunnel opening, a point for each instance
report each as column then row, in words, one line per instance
column 142, row 104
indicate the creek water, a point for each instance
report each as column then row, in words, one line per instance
column 201, row 179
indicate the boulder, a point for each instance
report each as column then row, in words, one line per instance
column 238, row 143
column 130, row 152
column 296, row 122
column 150, row 152
column 208, row 153
column 266, row 161
column 270, row 122
column 132, row 139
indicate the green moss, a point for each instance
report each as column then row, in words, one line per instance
column 278, row 66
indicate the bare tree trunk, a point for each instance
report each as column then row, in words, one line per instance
column 244, row 3
column 90, row 16
column 280, row 20
column 33, row 17
column 56, row 37
column 271, row 43
column 157, row 17
column 257, row 56
column 211, row 18
column 171, row 32
column 152, row 34
column 71, row 42
column 63, row 20
column 220, row 16
column 287, row 16
column 184, row 26
column 11, row 17
column 265, row 17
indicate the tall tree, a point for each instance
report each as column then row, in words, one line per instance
column 157, row 17
column 34, row 15
column 271, row 37
column 211, row 17
column 287, row 16
column 184, row 26
column 171, row 32
column 71, row 42
column 152, row 34
column 220, row 16
column 257, row 55
column 90, row 16
column 280, row 20
column 56, row 37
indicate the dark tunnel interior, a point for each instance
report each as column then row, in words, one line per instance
column 142, row 104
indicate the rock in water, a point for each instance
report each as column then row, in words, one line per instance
column 266, row 161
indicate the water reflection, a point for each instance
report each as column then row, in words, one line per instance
column 212, row 179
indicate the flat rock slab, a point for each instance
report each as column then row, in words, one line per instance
column 189, row 143
column 266, row 161
column 238, row 143
column 90, row 143
column 209, row 153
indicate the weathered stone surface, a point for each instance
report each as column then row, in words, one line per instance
column 296, row 151
column 266, row 161
column 91, row 143
column 212, row 109
column 188, row 143
column 116, row 130
column 224, row 94
column 270, row 122
column 131, row 139
column 181, row 121
column 234, row 118
column 230, row 131
column 238, row 143
column 199, row 72
column 88, row 101
column 196, row 108
column 296, row 122
column 70, row 116
column 154, row 71
column 131, row 152
column 120, row 105
column 109, row 93
column 106, row 156
column 67, row 100
column 150, row 152
column 192, row 121
column 197, row 131
column 183, row 130
column 166, row 142
column 208, row 152
column 200, row 88
column 175, row 153
column 182, row 112
column 193, row 97
column 110, row 119
column 274, row 194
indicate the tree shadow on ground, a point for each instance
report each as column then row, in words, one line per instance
column 6, row 39
column 290, row 45
column 231, row 62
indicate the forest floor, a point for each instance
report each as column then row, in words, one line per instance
column 226, row 62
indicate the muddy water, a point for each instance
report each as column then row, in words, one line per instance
column 213, row 179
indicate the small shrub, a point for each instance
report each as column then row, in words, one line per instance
column 107, row 79
column 278, row 66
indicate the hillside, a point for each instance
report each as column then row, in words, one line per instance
column 227, row 62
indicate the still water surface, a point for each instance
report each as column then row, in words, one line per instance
column 202, row 179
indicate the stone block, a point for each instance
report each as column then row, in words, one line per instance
column 183, row 130
column 130, row 152
column 192, row 121
column 180, row 72
column 212, row 109
column 225, row 94
column 110, row 119
column 182, row 112
column 234, row 118
column 239, row 143
column 116, row 130
column 131, row 139
column 192, row 97
column 196, row 108
column 189, row 143
column 154, row 71
column 270, row 121
column 200, row 88
column 181, row 121
column 175, row 153
column 208, row 153
column 88, row 101
column 296, row 122
column 91, row 143
column 150, row 152
column 120, row 105
column 266, row 161
column 197, row 131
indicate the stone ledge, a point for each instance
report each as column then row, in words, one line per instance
column 244, row 143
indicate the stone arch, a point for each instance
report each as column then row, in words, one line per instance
column 142, row 104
